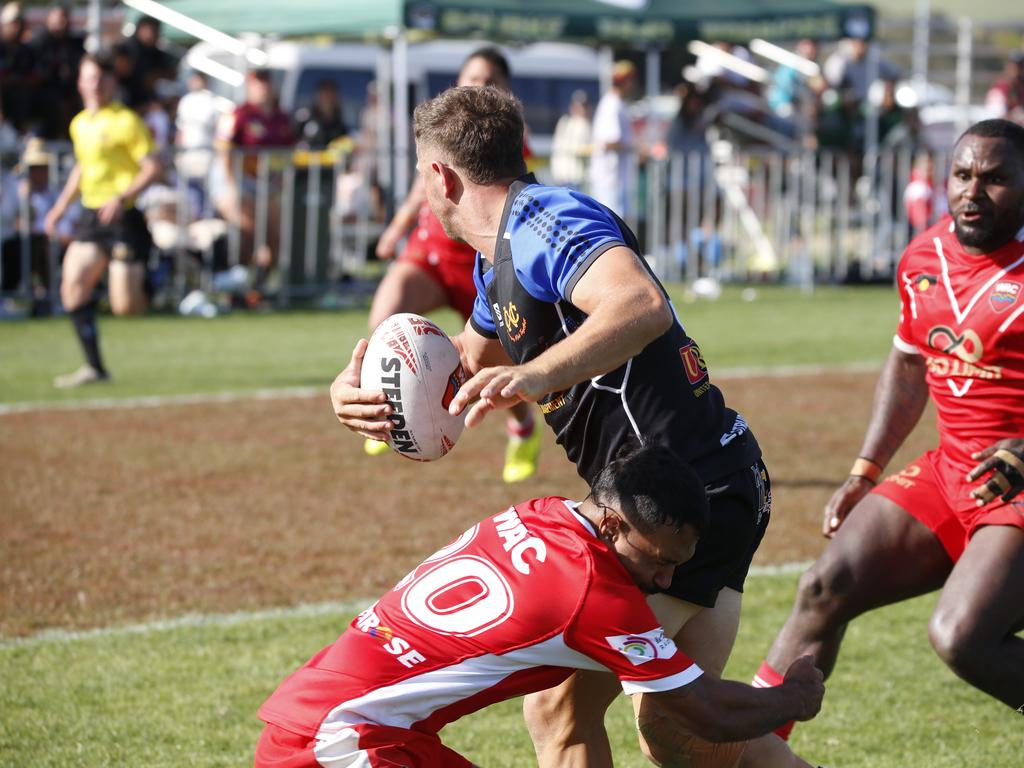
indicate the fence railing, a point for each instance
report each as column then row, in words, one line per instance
column 314, row 217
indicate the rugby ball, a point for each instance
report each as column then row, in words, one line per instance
column 418, row 368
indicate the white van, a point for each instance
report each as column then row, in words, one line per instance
column 544, row 75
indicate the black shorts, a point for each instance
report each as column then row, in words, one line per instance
column 126, row 239
column 741, row 505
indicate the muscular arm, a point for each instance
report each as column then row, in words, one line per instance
column 724, row 710
column 403, row 220
column 626, row 310
column 66, row 197
column 900, row 397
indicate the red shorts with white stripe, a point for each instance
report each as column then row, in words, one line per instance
column 359, row 745
column 933, row 489
column 449, row 264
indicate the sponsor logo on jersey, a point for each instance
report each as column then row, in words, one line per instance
column 643, row 647
column 515, row 324
column 695, row 367
column 1004, row 295
column 967, row 345
column 554, row 403
column 496, row 310
column 368, row 622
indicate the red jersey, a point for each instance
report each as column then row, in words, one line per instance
column 963, row 313
column 250, row 127
column 513, row 605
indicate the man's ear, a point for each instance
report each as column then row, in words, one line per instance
column 611, row 525
column 451, row 184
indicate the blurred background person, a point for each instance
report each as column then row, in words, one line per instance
column 322, row 121
column 151, row 62
column 115, row 161
column 1006, row 96
column 58, row 52
column 613, row 162
column 570, row 144
column 258, row 123
column 17, row 70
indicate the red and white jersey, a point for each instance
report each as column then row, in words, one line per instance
column 963, row 313
column 429, row 236
column 513, row 605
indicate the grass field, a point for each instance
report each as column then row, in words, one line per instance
column 183, row 688
column 167, row 355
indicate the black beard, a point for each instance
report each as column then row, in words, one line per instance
column 984, row 240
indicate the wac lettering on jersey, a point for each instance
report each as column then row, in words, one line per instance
column 399, row 436
column 517, row 540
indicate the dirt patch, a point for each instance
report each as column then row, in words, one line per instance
column 125, row 515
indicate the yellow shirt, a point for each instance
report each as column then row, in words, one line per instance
column 109, row 146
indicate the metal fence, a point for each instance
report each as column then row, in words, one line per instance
column 730, row 214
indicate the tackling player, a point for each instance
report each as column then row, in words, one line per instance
column 115, row 161
column 436, row 271
column 513, row 605
column 930, row 525
column 563, row 296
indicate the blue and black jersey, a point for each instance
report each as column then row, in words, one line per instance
column 547, row 239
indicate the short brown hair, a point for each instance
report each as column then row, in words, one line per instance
column 478, row 130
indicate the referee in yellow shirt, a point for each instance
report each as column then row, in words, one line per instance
column 115, row 162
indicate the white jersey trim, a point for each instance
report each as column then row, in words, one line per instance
column 903, row 346
column 410, row 701
column 962, row 315
column 685, row 677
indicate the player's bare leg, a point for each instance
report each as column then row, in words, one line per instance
column 125, row 286
column 84, row 265
column 855, row 574
column 972, row 628
column 405, row 288
column 566, row 723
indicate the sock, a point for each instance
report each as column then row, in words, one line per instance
column 83, row 318
column 767, row 677
column 262, row 273
column 521, row 429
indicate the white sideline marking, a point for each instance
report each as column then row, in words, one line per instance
column 305, row 610
column 159, row 401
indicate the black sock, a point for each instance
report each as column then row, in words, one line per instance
column 262, row 273
column 84, row 320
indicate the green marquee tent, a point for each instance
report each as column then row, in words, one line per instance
column 637, row 23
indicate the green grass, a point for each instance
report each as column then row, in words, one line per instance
column 170, row 355
column 188, row 696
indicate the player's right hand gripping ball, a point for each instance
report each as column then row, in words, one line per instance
column 418, row 368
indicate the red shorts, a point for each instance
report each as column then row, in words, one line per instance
column 377, row 745
column 448, row 263
column 933, row 489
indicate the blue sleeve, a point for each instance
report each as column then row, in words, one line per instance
column 481, row 319
column 555, row 235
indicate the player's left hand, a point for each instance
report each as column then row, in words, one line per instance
column 111, row 211
column 1005, row 461
column 497, row 388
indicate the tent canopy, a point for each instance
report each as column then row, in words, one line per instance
column 634, row 22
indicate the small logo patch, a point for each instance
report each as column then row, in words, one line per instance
column 1004, row 295
column 644, row 646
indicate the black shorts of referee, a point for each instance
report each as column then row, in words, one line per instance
column 126, row 239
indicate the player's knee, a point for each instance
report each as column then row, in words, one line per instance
column 824, row 592
column 957, row 642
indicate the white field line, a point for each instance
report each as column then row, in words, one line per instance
column 159, row 401
column 305, row 610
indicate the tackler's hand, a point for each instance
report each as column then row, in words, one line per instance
column 1003, row 462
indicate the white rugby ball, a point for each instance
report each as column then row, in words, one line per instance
column 418, row 368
